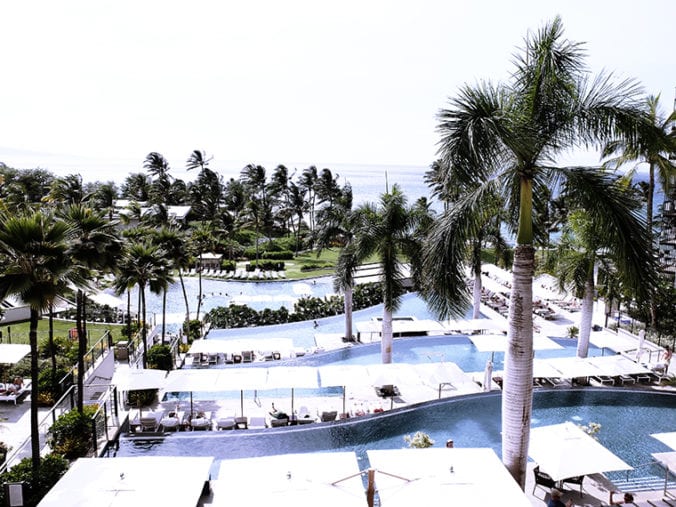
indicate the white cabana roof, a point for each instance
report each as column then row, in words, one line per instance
column 668, row 439
column 334, row 375
column 574, row 367
column 103, row 298
column 617, row 365
column 616, row 342
column 132, row 379
column 564, row 450
column 400, row 326
column 12, row 353
column 462, row 476
column 498, row 342
column 121, row 482
column 215, row 380
column 291, row 479
column 292, row 377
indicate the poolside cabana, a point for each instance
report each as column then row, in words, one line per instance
column 12, row 353
column 668, row 439
column 446, row 374
column 463, row 476
column 499, row 342
column 564, row 451
column 133, row 379
column 343, row 375
column 326, row 478
column 293, row 377
column 121, row 482
column 473, row 325
column 401, row 327
column 217, row 346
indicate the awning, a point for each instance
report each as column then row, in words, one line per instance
column 564, row 450
column 103, row 298
column 574, row 367
column 132, row 379
column 329, row 479
column 217, row 346
column 475, row 325
column 406, row 477
column 12, row 353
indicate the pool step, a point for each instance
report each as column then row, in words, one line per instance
column 646, row 483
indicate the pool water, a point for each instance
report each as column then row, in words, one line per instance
column 627, row 418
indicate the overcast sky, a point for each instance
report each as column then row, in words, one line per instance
column 103, row 83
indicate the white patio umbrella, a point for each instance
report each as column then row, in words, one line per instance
column 406, row 477
column 668, row 438
column 564, row 450
column 500, row 342
column 488, row 376
column 574, row 367
column 12, row 353
column 396, row 374
column 329, row 478
column 292, row 377
column 443, row 374
column 133, row 379
column 641, row 344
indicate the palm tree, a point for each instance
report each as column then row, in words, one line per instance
column 142, row 264
column 94, row 248
column 172, row 242
column 654, row 147
column 388, row 232
column 502, row 140
column 590, row 242
column 35, row 266
column 158, row 167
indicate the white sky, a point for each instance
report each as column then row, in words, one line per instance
column 279, row 81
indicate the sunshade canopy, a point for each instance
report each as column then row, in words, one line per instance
column 11, row 353
column 564, row 450
column 132, row 379
column 668, row 439
column 499, row 342
column 291, row 479
column 406, row 477
column 121, row 482
column 215, row 346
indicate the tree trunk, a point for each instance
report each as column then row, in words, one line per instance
column 144, row 329
column 517, row 392
column 348, row 313
column 164, row 312
column 128, row 314
column 586, row 315
column 386, row 339
column 35, row 434
column 199, row 292
column 81, row 350
column 185, row 297
column 52, row 351
column 476, row 308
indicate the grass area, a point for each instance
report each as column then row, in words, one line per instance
column 18, row 333
column 309, row 265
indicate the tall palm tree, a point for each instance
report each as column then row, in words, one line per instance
column 34, row 266
column 172, row 242
column 388, row 232
column 143, row 264
column 95, row 248
column 158, row 167
column 504, row 139
column 590, row 242
column 655, row 146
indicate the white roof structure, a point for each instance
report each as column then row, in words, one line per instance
column 461, row 476
column 475, row 325
column 564, row 450
column 409, row 326
column 216, row 346
column 329, row 479
column 12, row 353
column 122, row 482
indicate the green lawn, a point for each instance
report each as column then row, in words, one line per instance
column 18, row 333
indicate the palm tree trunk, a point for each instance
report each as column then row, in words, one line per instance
column 185, row 297
column 128, row 314
column 164, row 312
column 52, row 350
column 386, row 339
column 517, row 393
column 35, row 435
column 348, row 313
column 476, row 267
column 199, row 294
column 586, row 315
column 81, row 350
column 144, row 330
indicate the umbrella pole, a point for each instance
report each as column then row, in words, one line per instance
column 292, row 412
column 344, row 399
column 191, row 409
column 371, row 487
column 241, row 401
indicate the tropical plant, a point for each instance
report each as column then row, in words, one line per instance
column 419, row 440
column 387, row 231
column 36, row 485
column 35, row 266
column 503, row 139
column 71, row 433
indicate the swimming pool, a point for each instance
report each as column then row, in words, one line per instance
column 627, row 418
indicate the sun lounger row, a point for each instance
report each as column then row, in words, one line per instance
column 14, row 394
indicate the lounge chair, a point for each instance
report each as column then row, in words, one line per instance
column 574, row 480
column 225, row 423
column 257, row 423
column 329, row 416
column 247, row 356
column 148, row 423
column 200, row 423
column 278, row 422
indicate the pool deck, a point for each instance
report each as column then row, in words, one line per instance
column 15, row 419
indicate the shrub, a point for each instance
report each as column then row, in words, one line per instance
column 52, row 468
column 192, row 329
column 71, row 433
column 573, row 332
column 141, row 397
column 419, row 440
column 282, row 255
column 160, row 357
column 228, row 265
column 49, row 387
